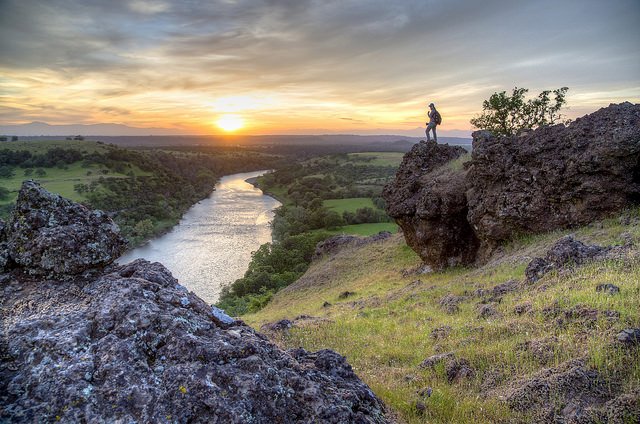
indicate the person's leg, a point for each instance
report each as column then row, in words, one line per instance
column 430, row 127
column 427, row 133
column 435, row 137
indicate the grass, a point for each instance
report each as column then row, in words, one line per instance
column 348, row 205
column 61, row 181
column 384, row 328
column 378, row 158
column 363, row 229
column 458, row 164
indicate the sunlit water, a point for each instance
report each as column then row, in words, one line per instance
column 212, row 244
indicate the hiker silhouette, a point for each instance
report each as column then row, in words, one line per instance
column 434, row 120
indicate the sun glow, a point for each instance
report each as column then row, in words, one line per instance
column 230, row 123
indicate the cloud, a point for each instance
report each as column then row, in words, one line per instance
column 373, row 61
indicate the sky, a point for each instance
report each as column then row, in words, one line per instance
column 307, row 66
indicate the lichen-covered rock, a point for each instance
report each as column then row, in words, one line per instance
column 428, row 201
column 629, row 336
column 554, row 177
column 565, row 252
column 50, row 235
column 132, row 345
column 558, row 394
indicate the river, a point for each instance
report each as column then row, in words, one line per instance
column 212, row 244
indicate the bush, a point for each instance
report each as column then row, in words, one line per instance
column 505, row 115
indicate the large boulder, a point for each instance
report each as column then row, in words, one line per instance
column 50, row 235
column 427, row 200
column 129, row 344
column 132, row 345
column 554, row 177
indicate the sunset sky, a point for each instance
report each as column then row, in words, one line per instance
column 307, row 66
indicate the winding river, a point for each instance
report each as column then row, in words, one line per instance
column 212, row 244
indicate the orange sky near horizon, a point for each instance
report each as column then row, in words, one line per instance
column 359, row 67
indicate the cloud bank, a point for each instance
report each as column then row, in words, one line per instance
column 304, row 66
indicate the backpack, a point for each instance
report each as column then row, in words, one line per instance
column 438, row 118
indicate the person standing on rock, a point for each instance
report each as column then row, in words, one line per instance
column 434, row 120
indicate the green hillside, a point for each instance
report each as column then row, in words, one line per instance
column 372, row 305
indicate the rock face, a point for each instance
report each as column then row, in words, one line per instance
column 129, row 344
column 51, row 235
column 550, row 178
column 554, row 177
column 428, row 202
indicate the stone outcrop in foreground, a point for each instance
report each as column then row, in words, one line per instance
column 129, row 344
column 554, row 177
column 52, row 236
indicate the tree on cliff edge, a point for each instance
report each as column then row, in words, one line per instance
column 505, row 115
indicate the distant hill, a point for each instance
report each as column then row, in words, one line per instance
column 44, row 129
column 392, row 142
column 132, row 136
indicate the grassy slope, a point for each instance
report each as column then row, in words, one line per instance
column 384, row 329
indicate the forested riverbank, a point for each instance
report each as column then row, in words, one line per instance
column 146, row 191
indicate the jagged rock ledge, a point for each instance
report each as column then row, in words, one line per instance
column 85, row 341
column 551, row 178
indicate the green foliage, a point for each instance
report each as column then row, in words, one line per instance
column 505, row 115
column 338, row 176
column 273, row 266
column 4, row 193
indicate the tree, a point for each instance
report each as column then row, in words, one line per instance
column 505, row 115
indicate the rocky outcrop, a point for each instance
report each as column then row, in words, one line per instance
column 554, row 177
column 129, row 344
column 428, row 202
column 334, row 244
column 52, row 236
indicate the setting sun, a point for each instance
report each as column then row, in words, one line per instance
column 230, row 122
